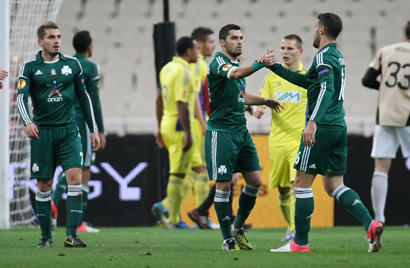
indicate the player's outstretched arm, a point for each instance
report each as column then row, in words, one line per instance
column 183, row 116
column 291, row 76
column 267, row 60
column 255, row 100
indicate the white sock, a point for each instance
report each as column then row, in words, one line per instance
column 379, row 194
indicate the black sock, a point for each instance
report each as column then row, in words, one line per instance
column 203, row 209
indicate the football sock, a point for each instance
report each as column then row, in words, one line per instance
column 201, row 188
column 351, row 201
column 223, row 211
column 86, row 191
column 165, row 202
column 175, row 194
column 203, row 209
column 303, row 214
column 74, row 208
column 247, row 201
column 60, row 189
column 43, row 210
column 287, row 207
column 379, row 193
column 187, row 185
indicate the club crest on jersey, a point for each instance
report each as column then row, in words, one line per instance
column 66, row 70
column 226, row 67
column 324, row 71
column 21, row 84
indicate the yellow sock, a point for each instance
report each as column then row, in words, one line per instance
column 165, row 202
column 189, row 181
column 284, row 202
column 175, row 194
column 292, row 209
column 201, row 188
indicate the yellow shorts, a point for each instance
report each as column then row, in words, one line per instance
column 282, row 159
column 198, row 156
column 179, row 161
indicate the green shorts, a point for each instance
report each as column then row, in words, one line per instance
column 63, row 144
column 227, row 153
column 88, row 154
column 328, row 155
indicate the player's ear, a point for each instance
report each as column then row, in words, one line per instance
column 222, row 42
column 301, row 51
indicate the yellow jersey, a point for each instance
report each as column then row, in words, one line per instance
column 288, row 125
column 199, row 71
column 176, row 86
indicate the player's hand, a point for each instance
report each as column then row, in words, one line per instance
column 258, row 112
column 101, row 135
column 1, row 85
column 160, row 142
column 187, row 142
column 309, row 134
column 270, row 58
column 31, row 131
column 3, row 74
column 261, row 58
column 96, row 141
column 274, row 104
column 203, row 127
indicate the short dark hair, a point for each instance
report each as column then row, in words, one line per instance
column 224, row 32
column 408, row 30
column 81, row 41
column 332, row 23
column 295, row 37
column 41, row 31
column 184, row 43
column 201, row 33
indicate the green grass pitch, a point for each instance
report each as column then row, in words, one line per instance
column 156, row 247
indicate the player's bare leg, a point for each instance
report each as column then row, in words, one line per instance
column 74, row 207
column 43, row 207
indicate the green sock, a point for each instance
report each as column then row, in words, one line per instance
column 74, row 208
column 60, row 189
column 223, row 210
column 43, row 210
column 247, row 201
column 86, row 190
column 351, row 201
column 303, row 214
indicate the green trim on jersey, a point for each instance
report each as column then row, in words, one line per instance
column 227, row 97
column 91, row 73
column 325, row 82
column 53, row 87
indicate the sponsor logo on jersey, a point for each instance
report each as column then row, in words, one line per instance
column 226, row 67
column 324, row 71
column 21, row 83
column 38, row 72
column 66, row 70
column 241, row 96
column 288, row 96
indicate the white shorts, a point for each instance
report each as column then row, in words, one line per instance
column 386, row 141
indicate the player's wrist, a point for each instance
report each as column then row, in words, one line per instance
column 258, row 65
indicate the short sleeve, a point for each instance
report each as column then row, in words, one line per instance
column 376, row 63
column 221, row 68
column 181, row 86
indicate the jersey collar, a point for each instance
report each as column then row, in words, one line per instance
column 40, row 59
column 328, row 45
column 79, row 56
column 228, row 59
column 181, row 60
column 200, row 56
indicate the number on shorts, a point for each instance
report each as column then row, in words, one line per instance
column 81, row 155
column 297, row 158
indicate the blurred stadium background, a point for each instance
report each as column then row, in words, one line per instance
column 122, row 31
